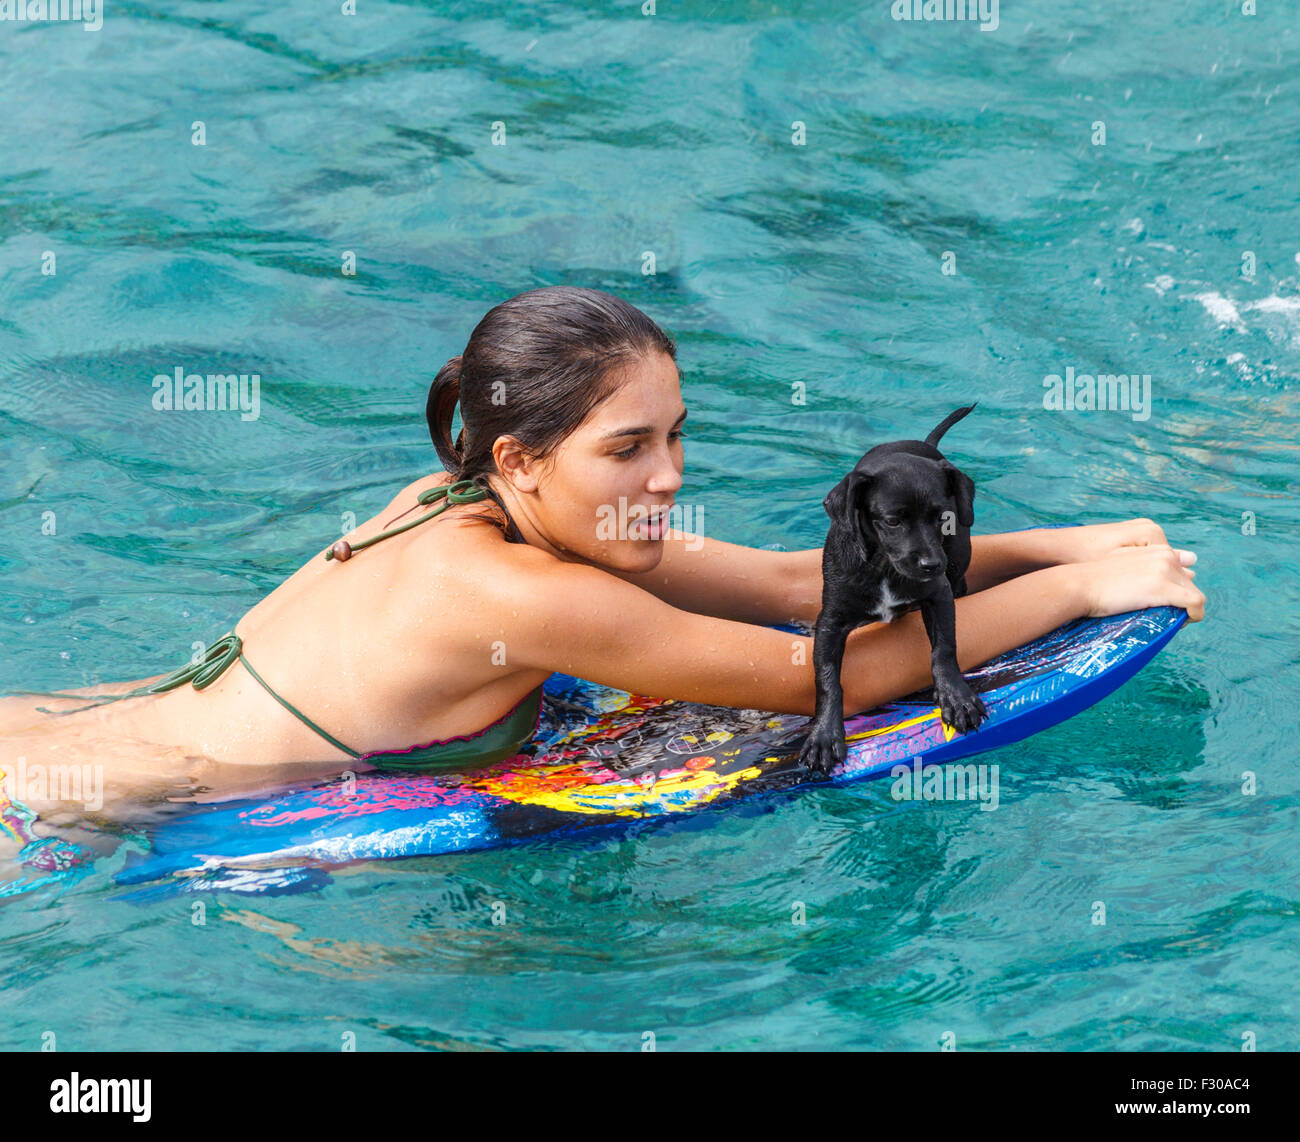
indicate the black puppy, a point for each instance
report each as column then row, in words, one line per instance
column 899, row 537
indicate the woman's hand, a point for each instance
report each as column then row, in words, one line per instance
column 1132, row 577
column 997, row 558
column 1099, row 540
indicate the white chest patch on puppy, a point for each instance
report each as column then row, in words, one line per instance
column 889, row 606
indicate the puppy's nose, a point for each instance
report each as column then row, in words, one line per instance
column 928, row 566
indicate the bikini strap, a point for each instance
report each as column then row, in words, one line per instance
column 299, row 714
column 211, row 664
column 460, row 492
column 229, row 647
column 214, row 662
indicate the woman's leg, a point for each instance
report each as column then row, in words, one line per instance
column 20, row 712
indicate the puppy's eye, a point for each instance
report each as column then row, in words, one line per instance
column 890, row 520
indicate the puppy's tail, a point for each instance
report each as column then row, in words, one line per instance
column 947, row 422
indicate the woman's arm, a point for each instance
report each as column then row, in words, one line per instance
column 751, row 585
column 994, row 558
column 584, row 621
column 728, row 580
column 894, row 658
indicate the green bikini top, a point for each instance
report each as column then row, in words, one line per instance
column 502, row 739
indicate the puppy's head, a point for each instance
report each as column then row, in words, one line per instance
column 902, row 508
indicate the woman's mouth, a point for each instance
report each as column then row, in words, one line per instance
column 654, row 527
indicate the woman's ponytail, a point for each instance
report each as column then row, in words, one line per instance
column 438, row 411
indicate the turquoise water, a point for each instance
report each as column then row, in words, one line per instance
column 782, row 271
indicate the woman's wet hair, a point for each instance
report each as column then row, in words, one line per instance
column 535, row 367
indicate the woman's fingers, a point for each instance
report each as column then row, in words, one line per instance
column 1185, row 557
column 1138, row 577
column 1140, row 549
column 1144, row 571
column 1145, row 531
column 1195, row 599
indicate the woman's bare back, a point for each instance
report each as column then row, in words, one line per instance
column 383, row 651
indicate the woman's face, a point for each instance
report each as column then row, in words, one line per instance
column 591, row 500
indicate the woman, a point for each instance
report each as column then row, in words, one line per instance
column 429, row 646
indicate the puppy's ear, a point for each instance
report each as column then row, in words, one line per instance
column 844, row 505
column 843, row 498
column 962, row 489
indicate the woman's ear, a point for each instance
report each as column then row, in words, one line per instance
column 515, row 464
column 962, row 489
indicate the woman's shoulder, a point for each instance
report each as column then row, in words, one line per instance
column 406, row 501
column 480, row 549
column 415, row 487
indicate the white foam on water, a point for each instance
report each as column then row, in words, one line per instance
column 1279, row 317
column 1276, row 305
column 1222, row 309
column 1283, row 317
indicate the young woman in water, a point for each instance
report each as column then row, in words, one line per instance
column 428, row 647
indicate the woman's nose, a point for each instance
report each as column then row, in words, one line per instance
column 667, row 480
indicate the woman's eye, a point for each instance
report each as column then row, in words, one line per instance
column 628, row 453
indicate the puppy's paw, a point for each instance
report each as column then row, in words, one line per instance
column 824, row 748
column 959, row 705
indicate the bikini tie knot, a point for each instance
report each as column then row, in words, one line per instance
column 201, row 672
column 212, row 663
column 459, row 492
